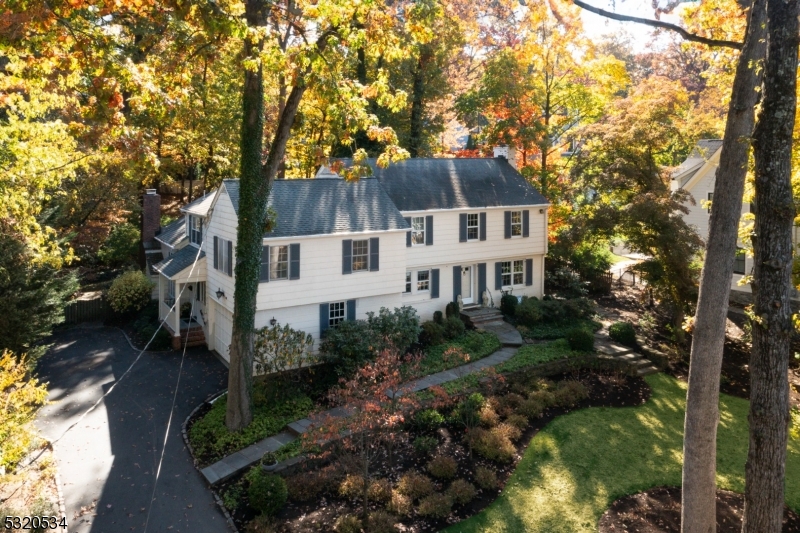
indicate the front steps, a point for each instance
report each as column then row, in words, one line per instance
column 637, row 362
column 491, row 319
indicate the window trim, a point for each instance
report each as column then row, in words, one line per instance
column 476, row 227
column 195, row 231
column 426, row 281
column 353, row 268
column 740, row 252
column 415, row 232
column 273, row 253
column 200, row 287
column 223, row 258
column 409, row 283
column 516, row 224
column 512, row 263
column 340, row 314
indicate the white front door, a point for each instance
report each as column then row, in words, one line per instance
column 466, row 284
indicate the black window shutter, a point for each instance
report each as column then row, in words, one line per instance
column 374, row 254
column 483, row 226
column 263, row 274
column 347, row 256
column 529, row 272
column 216, row 252
column 507, row 217
column 324, row 316
column 462, row 227
column 351, row 309
column 498, row 276
column 435, row 283
column 230, row 258
column 526, row 222
column 481, row 279
column 408, row 233
column 294, row 261
column 428, row 230
column 456, row 282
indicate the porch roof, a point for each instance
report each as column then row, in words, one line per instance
column 179, row 261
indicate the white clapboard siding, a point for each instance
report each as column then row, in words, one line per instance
column 321, row 278
column 447, row 249
column 222, row 224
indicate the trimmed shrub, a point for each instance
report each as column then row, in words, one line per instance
column 531, row 408
column 443, row 467
column 267, row 493
column 381, row 522
column 438, row 317
column 452, row 310
column 518, row 421
column 432, row 334
column 414, row 485
column 508, row 430
column 532, row 311
column 428, row 420
column 400, row 503
column 347, row 524
column 488, row 416
column 380, row 490
column 580, row 340
column 453, row 328
column 468, row 411
column 623, row 333
column 528, row 312
column 129, row 292
column 400, row 327
column 493, row 444
column 569, row 393
column 352, row 486
column 436, row 505
column 508, row 304
column 425, row 445
column 486, row 478
column 462, row 491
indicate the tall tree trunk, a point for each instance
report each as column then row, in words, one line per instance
column 415, row 143
column 702, row 399
column 772, row 275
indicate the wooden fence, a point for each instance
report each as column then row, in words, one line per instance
column 86, row 309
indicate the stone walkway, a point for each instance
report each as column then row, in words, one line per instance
column 608, row 349
column 238, row 461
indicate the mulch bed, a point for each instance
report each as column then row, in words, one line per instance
column 659, row 511
column 607, row 389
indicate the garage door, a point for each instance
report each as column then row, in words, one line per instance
column 222, row 331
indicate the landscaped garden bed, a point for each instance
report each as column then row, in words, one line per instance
column 446, row 464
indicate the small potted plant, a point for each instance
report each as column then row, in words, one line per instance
column 269, row 462
column 186, row 310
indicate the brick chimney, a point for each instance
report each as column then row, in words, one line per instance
column 507, row 152
column 151, row 221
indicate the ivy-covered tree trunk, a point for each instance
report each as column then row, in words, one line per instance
column 415, row 137
column 255, row 182
column 772, row 275
column 702, row 399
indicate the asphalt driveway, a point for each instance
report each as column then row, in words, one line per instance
column 109, row 460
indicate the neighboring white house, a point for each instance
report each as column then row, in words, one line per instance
column 421, row 233
column 697, row 176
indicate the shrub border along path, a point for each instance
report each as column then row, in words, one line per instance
column 578, row 465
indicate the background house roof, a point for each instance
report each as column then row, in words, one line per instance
column 700, row 154
column 177, row 262
column 327, row 206
column 172, row 234
column 422, row 184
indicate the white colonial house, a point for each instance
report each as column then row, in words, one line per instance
column 422, row 233
column 697, row 176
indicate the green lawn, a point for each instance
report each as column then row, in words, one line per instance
column 581, row 462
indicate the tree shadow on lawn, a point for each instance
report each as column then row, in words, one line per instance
column 583, row 461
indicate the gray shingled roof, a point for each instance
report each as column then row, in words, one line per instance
column 701, row 153
column 328, row 206
column 423, row 184
column 177, row 262
column 172, row 234
column 200, row 206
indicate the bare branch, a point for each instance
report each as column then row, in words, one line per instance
column 659, row 24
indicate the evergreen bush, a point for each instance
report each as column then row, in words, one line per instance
column 580, row 340
column 508, row 304
column 623, row 333
column 267, row 493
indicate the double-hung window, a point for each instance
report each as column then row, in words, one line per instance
column 423, row 280
column 169, row 299
column 361, row 255
column 336, row 313
column 201, row 292
column 516, row 223
column 408, row 283
column 472, row 227
column 417, row 231
column 195, row 230
column 739, row 262
column 513, row 272
column 279, row 262
column 223, row 256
